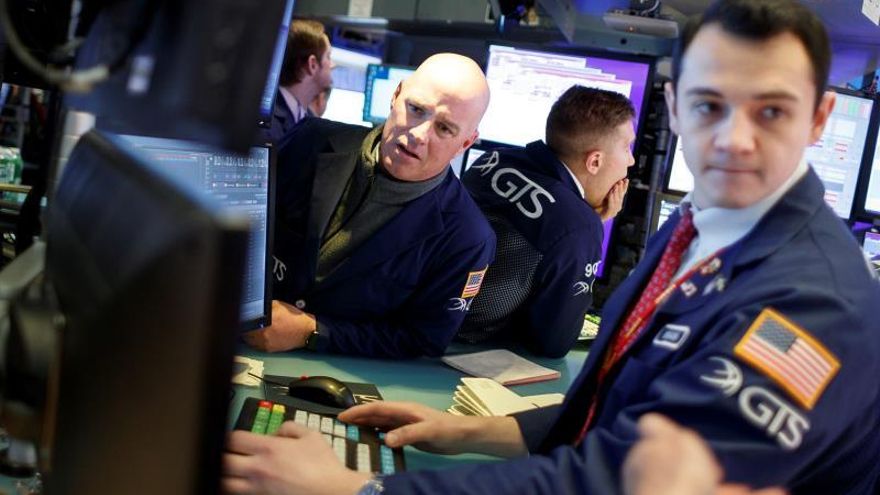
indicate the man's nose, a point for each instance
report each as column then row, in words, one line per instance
column 736, row 133
column 420, row 131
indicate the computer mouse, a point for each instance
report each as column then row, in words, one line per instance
column 322, row 390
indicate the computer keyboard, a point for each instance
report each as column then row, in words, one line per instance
column 361, row 449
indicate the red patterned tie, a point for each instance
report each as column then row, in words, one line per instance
column 650, row 299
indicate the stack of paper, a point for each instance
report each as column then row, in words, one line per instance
column 244, row 370
column 502, row 366
column 485, row 397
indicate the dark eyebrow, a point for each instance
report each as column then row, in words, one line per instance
column 769, row 95
column 451, row 125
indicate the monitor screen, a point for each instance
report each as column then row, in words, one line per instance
column 239, row 183
column 346, row 106
column 525, row 84
column 871, row 245
column 346, row 102
column 679, row 179
column 664, row 206
column 381, row 82
column 836, row 156
column 147, row 276
column 267, row 102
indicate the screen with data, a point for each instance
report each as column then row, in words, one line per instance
column 836, row 156
column 241, row 184
column 381, row 82
column 346, row 102
column 525, row 83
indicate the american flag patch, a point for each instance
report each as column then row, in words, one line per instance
column 474, row 281
column 789, row 355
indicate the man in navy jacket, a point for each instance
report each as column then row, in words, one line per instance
column 547, row 203
column 765, row 340
column 379, row 249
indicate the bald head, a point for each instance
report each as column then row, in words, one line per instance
column 460, row 76
column 434, row 116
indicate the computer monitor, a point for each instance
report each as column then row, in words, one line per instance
column 678, row 178
column 346, row 102
column 242, row 185
column 267, row 102
column 836, row 157
column 871, row 245
column 381, row 82
column 147, row 275
column 664, row 206
column 526, row 82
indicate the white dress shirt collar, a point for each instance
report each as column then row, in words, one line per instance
column 296, row 109
column 720, row 227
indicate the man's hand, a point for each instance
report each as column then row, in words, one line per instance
column 289, row 329
column 296, row 460
column 434, row 431
column 673, row 460
column 613, row 202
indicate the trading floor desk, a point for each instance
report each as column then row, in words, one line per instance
column 427, row 381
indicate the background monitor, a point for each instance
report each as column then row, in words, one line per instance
column 241, row 184
column 871, row 245
column 346, row 102
column 525, row 84
column 381, row 82
column 678, row 178
column 147, row 276
column 664, row 206
column 836, row 157
column 267, row 102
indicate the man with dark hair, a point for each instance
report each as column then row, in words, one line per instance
column 377, row 244
column 750, row 320
column 305, row 73
column 546, row 204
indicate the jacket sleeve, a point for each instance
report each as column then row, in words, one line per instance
column 760, row 434
column 426, row 323
column 562, row 294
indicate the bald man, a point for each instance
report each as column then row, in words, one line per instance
column 379, row 250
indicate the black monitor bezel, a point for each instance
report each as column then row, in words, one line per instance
column 265, row 319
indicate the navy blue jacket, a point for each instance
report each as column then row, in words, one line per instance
column 537, row 196
column 400, row 293
column 799, row 260
column 282, row 121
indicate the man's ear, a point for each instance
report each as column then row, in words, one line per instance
column 469, row 141
column 313, row 64
column 820, row 117
column 669, row 94
column 593, row 161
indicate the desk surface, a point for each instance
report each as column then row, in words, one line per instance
column 426, row 380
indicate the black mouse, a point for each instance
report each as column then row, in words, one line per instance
column 322, row 390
